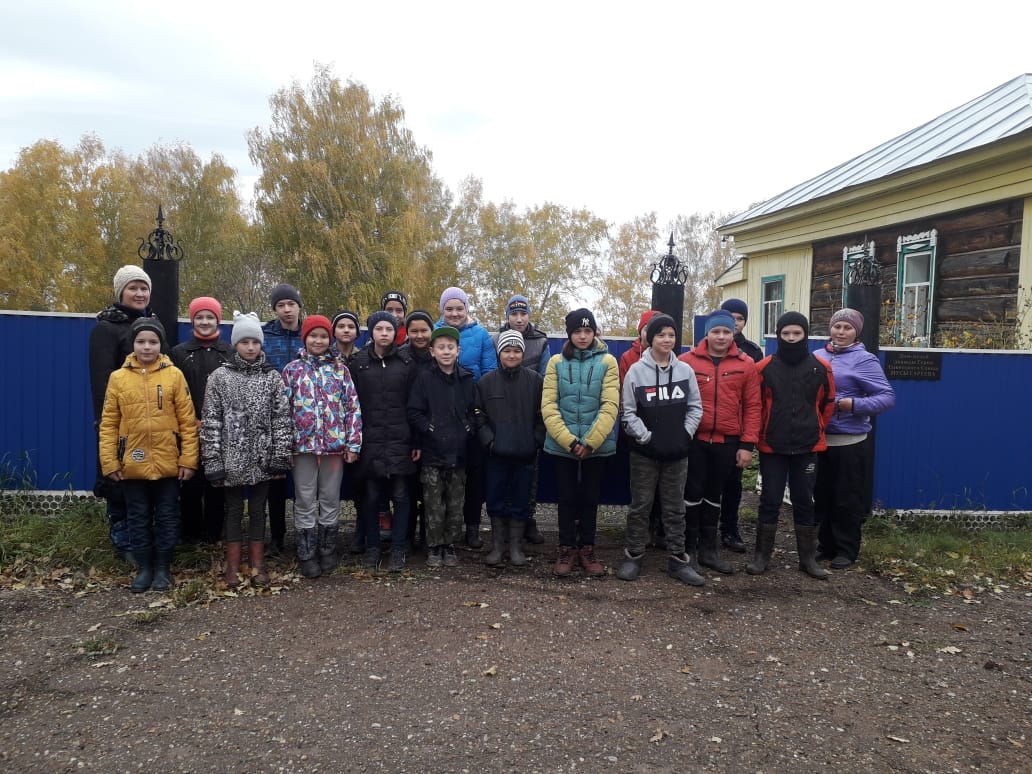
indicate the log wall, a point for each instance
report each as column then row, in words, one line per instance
column 976, row 266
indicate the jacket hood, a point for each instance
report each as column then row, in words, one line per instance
column 237, row 363
column 119, row 313
column 164, row 361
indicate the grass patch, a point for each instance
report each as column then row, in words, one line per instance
column 101, row 645
column 924, row 554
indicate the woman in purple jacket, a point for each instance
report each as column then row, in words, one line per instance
column 861, row 391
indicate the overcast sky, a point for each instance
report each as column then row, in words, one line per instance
column 622, row 108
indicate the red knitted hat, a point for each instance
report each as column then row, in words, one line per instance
column 645, row 317
column 206, row 303
column 315, row 321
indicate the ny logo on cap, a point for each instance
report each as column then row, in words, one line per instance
column 585, row 322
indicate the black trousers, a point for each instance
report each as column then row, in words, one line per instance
column 840, row 498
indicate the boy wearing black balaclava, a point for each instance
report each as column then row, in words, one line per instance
column 798, row 394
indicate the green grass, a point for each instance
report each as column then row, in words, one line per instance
column 923, row 553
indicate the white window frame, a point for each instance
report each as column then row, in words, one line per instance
column 772, row 309
column 914, row 313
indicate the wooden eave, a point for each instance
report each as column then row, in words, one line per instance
column 995, row 172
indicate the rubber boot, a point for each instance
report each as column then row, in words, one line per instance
column 307, row 547
column 473, row 536
column 256, row 554
column 708, row 556
column 680, row 568
column 328, row 556
column 233, row 564
column 162, row 571
column 358, row 538
column 494, row 556
column 765, row 534
column 531, row 533
column 691, row 547
column 517, row 532
column 806, row 545
column 631, row 568
column 144, row 572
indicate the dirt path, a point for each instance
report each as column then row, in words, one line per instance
column 485, row 670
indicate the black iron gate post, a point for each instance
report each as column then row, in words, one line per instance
column 668, row 280
column 161, row 255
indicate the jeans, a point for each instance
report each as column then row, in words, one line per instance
column 378, row 490
column 799, row 470
column 508, row 488
column 152, row 510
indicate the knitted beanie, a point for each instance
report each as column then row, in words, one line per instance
column 127, row 274
column 284, row 292
column 720, row 319
column 517, row 303
column 851, row 316
column 736, row 306
column 394, row 295
column 246, row 326
column 147, row 324
column 315, row 321
column 419, row 314
column 658, row 322
column 346, row 314
column 645, row 317
column 511, row 338
column 580, row 318
column 205, row 304
column 452, row 294
column 379, row 317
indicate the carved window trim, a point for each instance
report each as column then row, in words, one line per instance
column 849, row 256
column 915, row 299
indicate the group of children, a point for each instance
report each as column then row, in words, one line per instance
column 437, row 416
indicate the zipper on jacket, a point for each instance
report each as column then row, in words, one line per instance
column 160, row 397
column 122, row 441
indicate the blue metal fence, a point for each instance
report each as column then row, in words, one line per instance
column 956, row 443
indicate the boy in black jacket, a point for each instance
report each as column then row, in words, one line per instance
column 511, row 431
column 441, row 412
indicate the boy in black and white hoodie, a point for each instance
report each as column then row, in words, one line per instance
column 661, row 412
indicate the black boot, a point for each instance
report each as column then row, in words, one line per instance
column 680, row 567
column 498, row 530
column 307, row 546
column 517, row 532
column 765, row 534
column 358, row 538
column 144, row 572
column 328, row 557
column 531, row 533
column 473, row 536
column 708, row 556
column 162, row 571
column 631, row 568
column 691, row 547
column 806, row 544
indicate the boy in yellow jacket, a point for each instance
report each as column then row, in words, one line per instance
column 148, row 441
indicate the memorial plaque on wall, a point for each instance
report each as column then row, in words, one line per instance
column 924, row 366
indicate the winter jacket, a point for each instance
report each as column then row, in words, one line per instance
column 280, row 345
column 730, row 395
column 147, row 427
column 536, row 353
column 246, row 433
column 661, row 407
column 324, row 407
column 580, row 399
column 441, row 412
column 110, row 345
column 630, row 357
column 420, row 358
column 509, row 420
column 476, row 349
column 383, row 385
column 858, row 375
column 749, row 348
column 197, row 359
column 797, row 403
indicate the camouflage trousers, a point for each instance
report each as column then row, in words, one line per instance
column 443, row 496
column 646, row 473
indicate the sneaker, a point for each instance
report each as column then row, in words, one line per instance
column 564, row 564
column 435, row 558
column 590, row 564
column 450, row 557
column 841, row 562
column 371, row 557
column 397, row 560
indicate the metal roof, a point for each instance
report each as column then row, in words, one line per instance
column 1003, row 112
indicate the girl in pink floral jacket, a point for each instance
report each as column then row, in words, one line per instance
column 327, row 434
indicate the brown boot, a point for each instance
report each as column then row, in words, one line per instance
column 232, row 576
column 564, row 563
column 256, row 550
column 591, row 565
